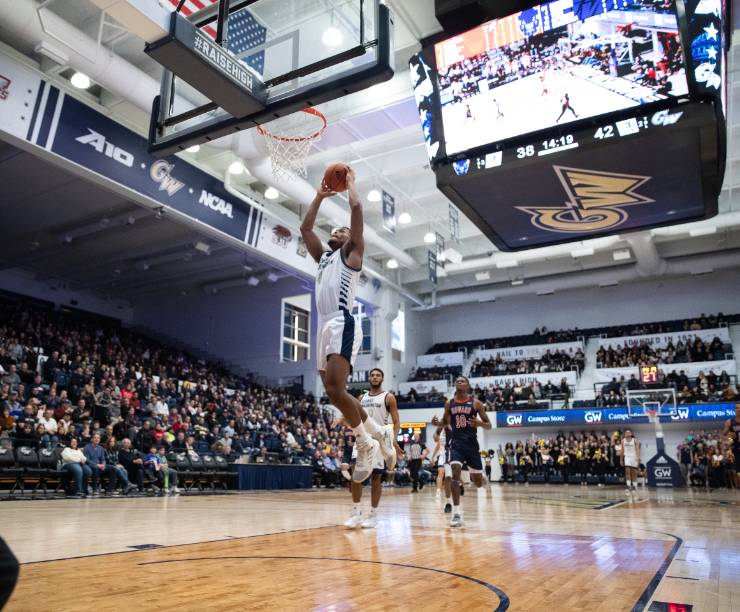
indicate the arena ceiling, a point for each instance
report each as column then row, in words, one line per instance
column 377, row 132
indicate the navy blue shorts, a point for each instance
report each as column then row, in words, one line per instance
column 466, row 453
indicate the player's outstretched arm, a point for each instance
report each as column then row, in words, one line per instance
column 483, row 422
column 313, row 242
column 355, row 247
column 447, row 417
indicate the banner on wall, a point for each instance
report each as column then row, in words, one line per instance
column 454, row 223
column 663, row 340
column 523, row 380
column 440, row 360
column 389, row 212
column 40, row 114
column 692, row 369
column 422, row 387
column 432, row 266
column 608, row 417
column 535, row 351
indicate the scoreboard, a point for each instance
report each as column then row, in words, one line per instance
column 579, row 118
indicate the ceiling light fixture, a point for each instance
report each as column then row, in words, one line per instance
column 621, row 255
column 374, row 196
column 507, row 263
column 271, row 193
column 518, row 281
column 253, row 281
column 236, row 167
column 430, row 238
column 391, row 264
column 332, row 37
column 80, row 81
column 483, row 276
column 193, row 149
column 404, row 218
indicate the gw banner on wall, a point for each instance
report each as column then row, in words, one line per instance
column 432, row 265
column 534, row 351
column 522, row 380
column 663, row 340
column 389, row 212
column 437, row 360
column 606, row 417
column 604, row 375
column 454, row 224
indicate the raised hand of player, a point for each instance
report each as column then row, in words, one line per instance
column 435, row 421
column 324, row 192
column 350, row 177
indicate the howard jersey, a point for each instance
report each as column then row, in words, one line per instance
column 336, row 284
column 460, row 429
column 375, row 407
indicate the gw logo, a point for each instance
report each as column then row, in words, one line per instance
column 160, row 173
column 595, row 201
column 593, row 417
column 514, row 419
column 664, row 472
column 666, row 118
column 101, row 145
column 682, row 414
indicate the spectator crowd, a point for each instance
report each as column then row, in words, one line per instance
column 644, row 353
column 550, row 361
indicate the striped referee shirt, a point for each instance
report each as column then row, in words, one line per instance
column 415, row 451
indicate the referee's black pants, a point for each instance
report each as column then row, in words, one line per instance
column 414, row 467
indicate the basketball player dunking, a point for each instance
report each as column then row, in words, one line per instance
column 629, row 452
column 732, row 429
column 338, row 338
column 464, row 414
column 379, row 405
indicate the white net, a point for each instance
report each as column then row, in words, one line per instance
column 289, row 141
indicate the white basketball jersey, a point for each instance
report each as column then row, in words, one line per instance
column 375, row 407
column 336, row 284
column 630, row 452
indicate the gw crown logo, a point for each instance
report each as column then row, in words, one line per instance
column 596, row 201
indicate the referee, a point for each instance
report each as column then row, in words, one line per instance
column 416, row 453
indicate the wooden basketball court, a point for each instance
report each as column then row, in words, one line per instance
column 522, row 548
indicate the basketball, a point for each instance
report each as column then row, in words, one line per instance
column 335, row 177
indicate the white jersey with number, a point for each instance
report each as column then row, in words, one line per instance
column 630, row 453
column 336, row 284
column 375, row 407
column 376, row 410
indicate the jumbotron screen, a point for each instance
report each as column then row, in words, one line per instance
column 556, row 63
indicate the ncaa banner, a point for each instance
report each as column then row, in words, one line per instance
column 691, row 369
column 612, row 416
column 437, row 360
column 663, row 340
column 39, row 113
column 522, row 380
column 422, row 387
column 535, row 351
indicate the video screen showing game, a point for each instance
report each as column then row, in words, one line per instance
column 556, row 63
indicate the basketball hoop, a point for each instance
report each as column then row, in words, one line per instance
column 652, row 415
column 290, row 139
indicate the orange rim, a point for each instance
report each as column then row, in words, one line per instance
column 309, row 111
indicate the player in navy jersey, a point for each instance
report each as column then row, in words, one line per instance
column 464, row 414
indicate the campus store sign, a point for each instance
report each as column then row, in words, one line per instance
column 663, row 340
column 692, row 369
column 439, row 360
column 611, row 416
column 39, row 113
column 534, row 351
column 422, row 387
column 523, row 380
